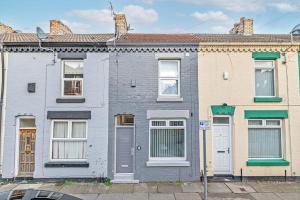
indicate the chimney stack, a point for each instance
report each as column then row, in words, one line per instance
column 59, row 28
column 244, row 27
column 121, row 26
column 6, row 29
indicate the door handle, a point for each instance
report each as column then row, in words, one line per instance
column 221, row 151
column 228, row 150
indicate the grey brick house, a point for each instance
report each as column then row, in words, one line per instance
column 56, row 112
column 153, row 111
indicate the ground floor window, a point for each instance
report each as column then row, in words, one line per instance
column 167, row 139
column 69, row 140
column 265, row 139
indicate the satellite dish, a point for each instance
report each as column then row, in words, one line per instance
column 41, row 34
column 296, row 30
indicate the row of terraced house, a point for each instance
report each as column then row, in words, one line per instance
column 127, row 105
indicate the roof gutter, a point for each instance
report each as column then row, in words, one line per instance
column 249, row 43
column 56, row 44
column 153, row 44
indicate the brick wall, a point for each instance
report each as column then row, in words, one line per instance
column 6, row 29
column 59, row 28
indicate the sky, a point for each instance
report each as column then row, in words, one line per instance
column 152, row 16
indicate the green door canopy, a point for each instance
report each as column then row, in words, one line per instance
column 266, row 114
column 223, row 110
column 265, row 55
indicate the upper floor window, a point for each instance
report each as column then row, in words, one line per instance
column 264, row 78
column 72, row 83
column 169, row 78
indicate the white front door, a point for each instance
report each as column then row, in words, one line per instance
column 222, row 145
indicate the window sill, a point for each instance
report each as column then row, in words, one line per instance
column 169, row 99
column 67, row 164
column 267, row 99
column 271, row 162
column 179, row 163
column 70, row 100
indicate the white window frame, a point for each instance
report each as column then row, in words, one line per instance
column 264, row 125
column 169, row 78
column 70, row 79
column 167, row 127
column 67, row 139
column 274, row 75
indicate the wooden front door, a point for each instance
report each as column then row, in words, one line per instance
column 26, row 152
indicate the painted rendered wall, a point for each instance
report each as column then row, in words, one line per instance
column 239, row 91
column 36, row 67
column 143, row 67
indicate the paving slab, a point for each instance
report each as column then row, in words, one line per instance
column 280, row 187
column 289, row 196
column 158, row 196
column 75, row 188
column 116, row 196
column 187, row 196
column 7, row 187
column 96, row 188
column 27, row 186
column 290, row 187
column 145, row 188
column 265, row 196
column 192, row 187
column 51, row 187
column 86, row 196
column 169, row 188
column 136, row 196
column 218, row 188
column 240, row 188
column 228, row 196
column 121, row 188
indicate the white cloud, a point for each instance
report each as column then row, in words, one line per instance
column 216, row 16
column 139, row 15
column 284, row 7
column 78, row 27
column 148, row 1
column 100, row 16
column 231, row 5
column 134, row 14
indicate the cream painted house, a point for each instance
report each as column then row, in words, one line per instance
column 249, row 90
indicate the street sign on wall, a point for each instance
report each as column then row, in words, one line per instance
column 204, row 124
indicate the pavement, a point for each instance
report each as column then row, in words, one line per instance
column 169, row 191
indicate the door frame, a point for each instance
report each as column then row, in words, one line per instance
column 115, row 145
column 230, row 143
column 17, row 145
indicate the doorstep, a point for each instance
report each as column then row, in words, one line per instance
column 124, row 178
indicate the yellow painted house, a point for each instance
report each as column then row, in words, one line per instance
column 249, row 90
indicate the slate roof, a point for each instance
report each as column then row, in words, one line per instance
column 68, row 38
column 140, row 38
column 255, row 38
column 157, row 38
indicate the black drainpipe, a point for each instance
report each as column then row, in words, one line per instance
column 2, row 96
